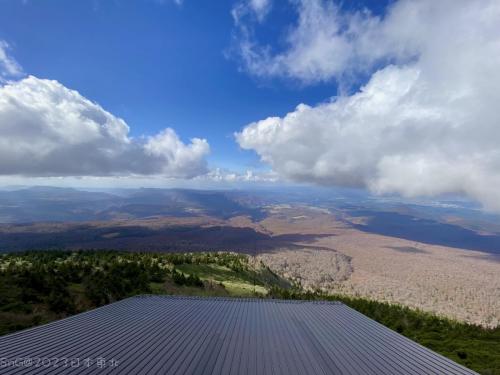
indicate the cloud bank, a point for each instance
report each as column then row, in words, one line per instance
column 49, row 130
column 425, row 123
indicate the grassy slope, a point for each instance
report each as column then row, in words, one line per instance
column 242, row 283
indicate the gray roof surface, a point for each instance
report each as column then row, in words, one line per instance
column 197, row 335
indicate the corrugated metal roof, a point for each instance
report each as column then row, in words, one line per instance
column 196, row 335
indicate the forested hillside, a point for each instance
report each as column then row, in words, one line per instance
column 38, row 287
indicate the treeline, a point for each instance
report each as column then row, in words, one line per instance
column 236, row 262
column 180, row 279
column 39, row 286
column 46, row 278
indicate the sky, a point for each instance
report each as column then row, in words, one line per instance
column 397, row 97
column 154, row 64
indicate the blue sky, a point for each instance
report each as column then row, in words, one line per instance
column 397, row 97
column 156, row 65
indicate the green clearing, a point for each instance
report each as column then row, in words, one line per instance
column 245, row 283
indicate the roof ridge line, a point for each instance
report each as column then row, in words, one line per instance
column 238, row 299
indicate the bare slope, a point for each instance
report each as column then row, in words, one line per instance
column 457, row 283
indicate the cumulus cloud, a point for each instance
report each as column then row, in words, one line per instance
column 425, row 123
column 49, row 130
column 9, row 68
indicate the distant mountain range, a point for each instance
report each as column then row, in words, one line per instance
column 51, row 217
column 51, row 204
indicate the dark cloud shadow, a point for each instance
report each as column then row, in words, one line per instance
column 142, row 238
column 427, row 231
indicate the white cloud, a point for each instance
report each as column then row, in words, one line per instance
column 260, row 7
column 8, row 65
column 176, row 2
column 49, row 130
column 222, row 175
column 214, row 179
column 178, row 159
column 256, row 9
column 426, row 122
column 328, row 43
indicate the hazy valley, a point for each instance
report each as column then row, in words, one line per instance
column 334, row 244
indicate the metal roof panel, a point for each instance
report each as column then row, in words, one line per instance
column 203, row 335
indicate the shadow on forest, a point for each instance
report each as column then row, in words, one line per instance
column 427, row 231
column 140, row 238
